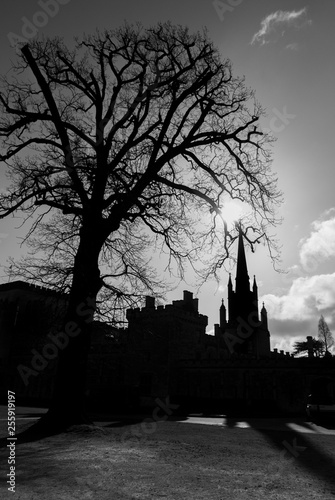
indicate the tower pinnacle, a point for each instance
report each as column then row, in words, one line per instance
column 230, row 283
column 242, row 277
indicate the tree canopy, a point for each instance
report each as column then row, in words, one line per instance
column 320, row 346
column 302, row 347
column 133, row 137
column 144, row 131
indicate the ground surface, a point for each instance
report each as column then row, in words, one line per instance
column 174, row 460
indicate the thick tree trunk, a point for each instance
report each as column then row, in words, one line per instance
column 68, row 401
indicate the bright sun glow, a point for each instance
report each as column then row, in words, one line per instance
column 232, row 211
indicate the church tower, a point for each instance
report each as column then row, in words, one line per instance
column 246, row 332
column 243, row 302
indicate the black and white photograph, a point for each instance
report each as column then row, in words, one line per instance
column 167, row 250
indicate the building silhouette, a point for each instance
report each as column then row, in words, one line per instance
column 235, row 369
column 245, row 331
column 164, row 352
column 28, row 313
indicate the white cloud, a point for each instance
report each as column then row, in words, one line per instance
column 307, row 298
column 295, row 313
column 285, row 344
column 279, row 20
column 310, row 293
column 320, row 245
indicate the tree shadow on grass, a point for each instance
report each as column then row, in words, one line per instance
column 294, row 448
column 35, row 431
column 27, row 431
column 298, row 449
column 30, row 433
column 124, row 422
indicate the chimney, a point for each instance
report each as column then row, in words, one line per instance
column 190, row 304
column 310, row 346
column 188, row 296
column 150, row 302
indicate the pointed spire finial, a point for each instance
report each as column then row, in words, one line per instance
column 242, row 277
column 264, row 317
column 230, row 286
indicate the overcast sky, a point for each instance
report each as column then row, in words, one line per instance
column 285, row 49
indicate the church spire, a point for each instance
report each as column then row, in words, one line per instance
column 255, row 289
column 222, row 315
column 264, row 317
column 230, row 283
column 242, row 277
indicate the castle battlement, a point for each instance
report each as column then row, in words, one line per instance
column 30, row 287
column 187, row 308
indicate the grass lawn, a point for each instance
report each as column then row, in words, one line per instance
column 172, row 460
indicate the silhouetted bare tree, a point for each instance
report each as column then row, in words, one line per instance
column 133, row 132
column 325, row 335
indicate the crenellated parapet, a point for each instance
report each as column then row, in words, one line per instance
column 186, row 308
